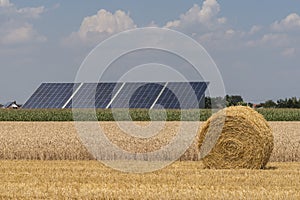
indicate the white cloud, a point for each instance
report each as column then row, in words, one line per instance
column 152, row 24
column 31, row 12
column 173, row 24
column 205, row 17
column 291, row 22
column 98, row 27
column 279, row 39
column 255, row 29
column 5, row 3
column 271, row 39
column 16, row 26
column 204, row 24
column 279, row 34
column 288, row 52
column 20, row 34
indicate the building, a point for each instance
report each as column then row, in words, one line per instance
column 11, row 105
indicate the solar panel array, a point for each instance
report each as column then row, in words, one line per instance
column 50, row 95
column 92, row 95
column 137, row 95
column 171, row 95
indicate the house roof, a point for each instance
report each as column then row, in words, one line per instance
column 11, row 104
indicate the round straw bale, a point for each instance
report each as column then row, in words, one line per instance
column 236, row 137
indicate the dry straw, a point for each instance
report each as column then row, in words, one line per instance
column 245, row 139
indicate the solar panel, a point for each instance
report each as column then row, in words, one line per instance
column 182, row 95
column 50, row 95
column 137, row 95
column 145, row 95
column 199, row 88
column 93, row 95
column 173, row 95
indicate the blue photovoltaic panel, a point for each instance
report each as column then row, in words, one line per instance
column 199, row 88
column 94, row 95
column 173, row 95
column 50, row 95
column 85, row 96
column 167, row 100
column 182, row 95
column 145, row 95
column 122, row 99
column 105, row 92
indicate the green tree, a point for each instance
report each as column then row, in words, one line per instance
column 215, row 102
column 218, row 102
column 288, row 103
column 269, row 104
column 234, row 100
column 207, row 102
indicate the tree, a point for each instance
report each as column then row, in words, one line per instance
column 207, row 102
column 215, row 102
column 234, row 100
column 288, row 103
column 281, row 103
column 218, row 102
column 269, row 104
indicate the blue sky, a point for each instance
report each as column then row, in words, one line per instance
column 256, row 44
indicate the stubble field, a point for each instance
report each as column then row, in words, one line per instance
column 59, row 140
column 181, row 180
column 42, row 160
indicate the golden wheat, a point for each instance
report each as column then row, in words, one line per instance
column 59, row 140
column 245, row 141
column 181, row 180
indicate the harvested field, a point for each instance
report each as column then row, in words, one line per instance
column 181, row 180
column 59, row 141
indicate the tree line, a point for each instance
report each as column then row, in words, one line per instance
column 234, row 100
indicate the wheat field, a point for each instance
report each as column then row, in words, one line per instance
column 181, row 180
column 46, row 160
column 59, row 140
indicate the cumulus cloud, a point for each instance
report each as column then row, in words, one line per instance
column 255, row 29
column 291, row 22
column 16, row 26
column 204, row 24
column 20, row 34
column 31, row 12
column 5, row 3
column 205, row 17
column 288, row 52
column 9, row 9
column 270, row 39
column 98, row 27
column 280, row 34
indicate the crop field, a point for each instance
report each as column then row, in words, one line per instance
column 42, row 160
column 181, row 180
column 278, row 114
column 59, row 140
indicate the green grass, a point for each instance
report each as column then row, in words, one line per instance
column 135, row 114
column 280, row 114
column 102, row 115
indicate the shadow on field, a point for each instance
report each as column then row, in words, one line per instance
column 270, row 168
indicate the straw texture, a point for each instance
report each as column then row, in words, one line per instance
column 245, row 139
